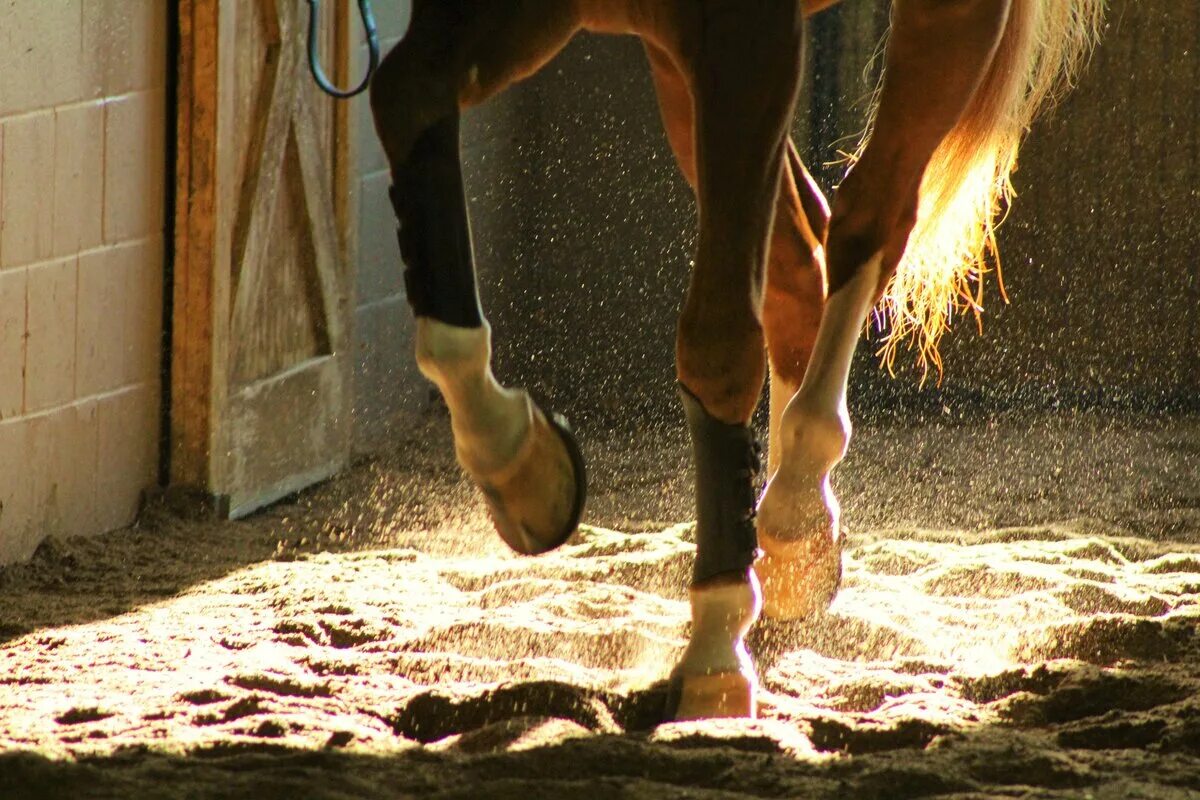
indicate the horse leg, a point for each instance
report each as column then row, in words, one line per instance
column 743, row 102
column 458, row 53
column 795, row 292
column 938, row 53
column 795, row 287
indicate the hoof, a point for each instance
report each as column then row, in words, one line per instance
column 800, row 568
column 715, row 676
column 713, row 696
column 537, row 500
column 799, row 578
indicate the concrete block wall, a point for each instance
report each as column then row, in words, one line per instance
column 82, row 160
column 386, row 378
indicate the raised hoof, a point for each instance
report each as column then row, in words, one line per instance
column 713, row 696
column 799, row 578
column 536, row 502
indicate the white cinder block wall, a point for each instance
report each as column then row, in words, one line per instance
column 82, row 137
column 386, row 378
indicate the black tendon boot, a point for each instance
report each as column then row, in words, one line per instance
column 728, row 461
column 435, row 231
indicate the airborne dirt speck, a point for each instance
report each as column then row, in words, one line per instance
column 1018, row 619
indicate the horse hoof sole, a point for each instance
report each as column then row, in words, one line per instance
column 798, row 582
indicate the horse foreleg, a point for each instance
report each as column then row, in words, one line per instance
column 793, row 312
column 795, row 290
column 743, row 101
column 937, row 55
column 457, row 53
column 794, row 293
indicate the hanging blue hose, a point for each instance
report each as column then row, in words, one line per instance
column 314, row 56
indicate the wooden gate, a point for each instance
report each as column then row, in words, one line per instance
column 260, row 384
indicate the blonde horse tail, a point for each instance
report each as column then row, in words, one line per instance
column 966, row 187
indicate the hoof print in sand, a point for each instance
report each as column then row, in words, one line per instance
column 282, row 687
column 203, row 697
column 1121, row 735
column 1107, row 640
column 434, row 715
column 77, row 716
column 239, row 709
column 831, row 735
column 1092, row 693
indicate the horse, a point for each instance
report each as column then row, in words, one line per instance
column 778, row 269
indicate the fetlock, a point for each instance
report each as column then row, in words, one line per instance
column 813, row 437
column 715, row 676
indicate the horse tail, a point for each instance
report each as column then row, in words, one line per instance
column 966, row 187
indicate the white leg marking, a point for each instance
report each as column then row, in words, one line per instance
column 781, row 393
column 490, row 422
column 721, row 618
column 826, row 379
column 716, row 676
column 799, row 516
column 523, row 463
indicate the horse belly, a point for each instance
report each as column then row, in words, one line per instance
column 652, row 19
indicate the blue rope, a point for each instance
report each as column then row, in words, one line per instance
column 314, row 57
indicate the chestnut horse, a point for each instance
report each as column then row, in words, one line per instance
column 910, row 228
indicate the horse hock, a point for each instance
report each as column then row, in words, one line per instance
column 526, row 462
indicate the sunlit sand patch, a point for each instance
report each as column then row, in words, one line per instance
column 933, row 633
column 925, row 617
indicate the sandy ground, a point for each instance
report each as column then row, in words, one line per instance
column 1018, row 620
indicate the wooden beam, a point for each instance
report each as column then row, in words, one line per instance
column 195, row 240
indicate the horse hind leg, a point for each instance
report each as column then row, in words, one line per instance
column 795, row 293
column 525, row 461
column 742, row 107
column 812, row 568
column 938, row 53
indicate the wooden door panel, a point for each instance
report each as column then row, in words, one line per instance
column 279, row 312
column 261, row 398
column 279, row 445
